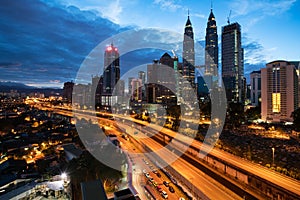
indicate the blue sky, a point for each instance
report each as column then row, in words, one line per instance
column 43, row 43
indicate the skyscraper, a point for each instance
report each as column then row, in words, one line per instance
column 188, row 54
column 279, row 92
column 67, row 91
column 211, row 46
column 233, row 63
column 111, row 74
column 255, row 81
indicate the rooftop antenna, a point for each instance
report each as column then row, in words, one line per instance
column 188, row 12
column 211, row 5
column 228, row 18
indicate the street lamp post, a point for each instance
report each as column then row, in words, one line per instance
column 273, row 155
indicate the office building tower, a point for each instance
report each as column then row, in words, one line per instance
column 279, row 91
column 136, row 85
column 142, row 76
column 233, row 63
column 161, row 83
column 211, row 46
column 188, row 54
column 255, row 85
column 111, row 75
column 129, row 85
column 67, row 91
column 297, row 66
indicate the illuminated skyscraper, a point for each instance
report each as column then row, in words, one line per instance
column 233, row 63
column 188, row 54
column 279, row 92
column 111, row 74
column 211, row 46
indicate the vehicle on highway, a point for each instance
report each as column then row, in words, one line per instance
column 158, row 174
column 150, row 179
column 147, row 175
column 171, row 189
column 181, row 198
column 159, row 188
column 166, row 183
column 164, row 194
column 154, row 183
column 144, row 171
column 125, row 137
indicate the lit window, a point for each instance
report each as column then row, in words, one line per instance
column 276, row 102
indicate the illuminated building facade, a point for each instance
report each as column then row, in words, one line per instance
column 111, row 75
column 279, row 92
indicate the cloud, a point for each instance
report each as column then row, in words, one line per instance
column 200, row 15
column 47, row 44
column 170, row 5
column 260, row 8
column 112, row 11
column 47, row 41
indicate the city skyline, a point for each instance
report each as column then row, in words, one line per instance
column 45, row 45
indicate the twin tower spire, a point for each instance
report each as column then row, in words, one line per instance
column 211, row 48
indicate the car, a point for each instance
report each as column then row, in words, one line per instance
column 164, row 194
column 155, row 171
column 171, row 189
column 166, row 183
column 150, row 179
column 159, row 188
column 181, row 198
column 144, row 171
column 147, row 175
column 146, row 162
column 158, row 174
column 125, row 137
column 154, row 183
column 151, row 167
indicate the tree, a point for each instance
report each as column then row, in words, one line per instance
column 296, row 117
column 235, row 115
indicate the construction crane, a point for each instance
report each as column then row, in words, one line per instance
column 174, row 53
column 228, row 18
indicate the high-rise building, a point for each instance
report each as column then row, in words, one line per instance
column 129, row 85
column 255, row 85
column 161, row 82
column 279, row 91
column 111, row 74
column 233, row 63
column 188, row 54
column 297, row 65
column 142, row 76
column 211, row 46
column 136, row 85
column 67, row 91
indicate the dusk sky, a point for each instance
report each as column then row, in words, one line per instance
column 43, row 43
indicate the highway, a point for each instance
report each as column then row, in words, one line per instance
column 210, row 188
column 285, row 182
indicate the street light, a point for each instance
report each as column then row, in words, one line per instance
column 273, row 151
column 63, row 176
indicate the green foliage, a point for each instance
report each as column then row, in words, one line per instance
column 296, row 118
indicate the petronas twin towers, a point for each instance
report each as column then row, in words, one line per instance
column 232, row 57
column 211, row 50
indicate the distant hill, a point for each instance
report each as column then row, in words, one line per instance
column 22, row 88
